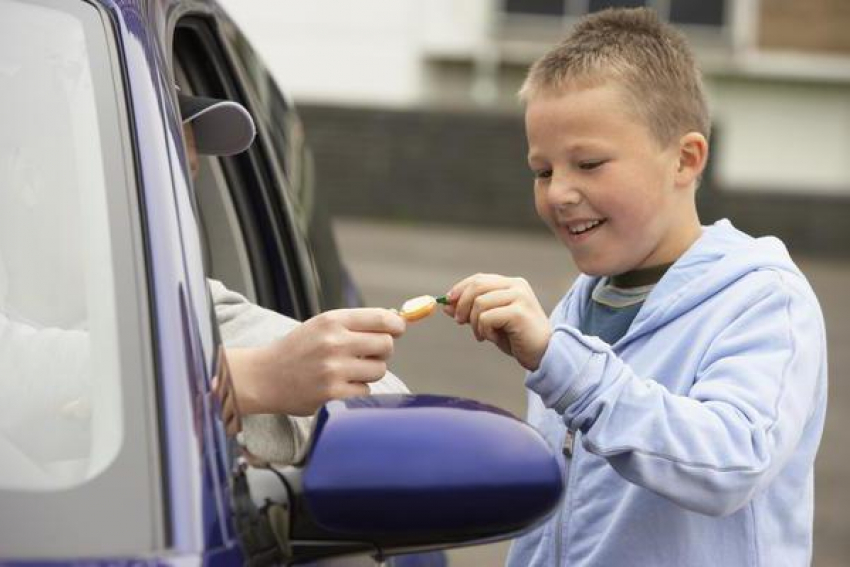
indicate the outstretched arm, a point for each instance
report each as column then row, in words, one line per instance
column 284, row 370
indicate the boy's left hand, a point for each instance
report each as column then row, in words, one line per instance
column 504, row 311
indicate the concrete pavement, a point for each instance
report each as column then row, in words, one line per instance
column 393, row 262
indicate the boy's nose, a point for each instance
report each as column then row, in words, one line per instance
column 563, row 192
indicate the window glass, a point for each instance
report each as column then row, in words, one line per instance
column 688, row 12
column 703, row 12
column 539, row 7
column 596, row 5
column 60, row 409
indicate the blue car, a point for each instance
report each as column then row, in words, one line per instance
column 117, row 437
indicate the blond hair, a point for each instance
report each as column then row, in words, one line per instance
column 648, row 58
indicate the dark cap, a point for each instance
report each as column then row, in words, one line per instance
column 222, row 127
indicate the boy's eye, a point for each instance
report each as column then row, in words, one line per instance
column 542, row 173
column 590, row 164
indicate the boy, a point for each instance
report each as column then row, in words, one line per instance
column 684, row 374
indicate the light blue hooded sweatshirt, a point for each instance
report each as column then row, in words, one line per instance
column 694, row 435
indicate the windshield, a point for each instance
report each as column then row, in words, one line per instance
column 60, row 412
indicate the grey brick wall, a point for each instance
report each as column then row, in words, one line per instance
column 454, row 167
column 469, row 168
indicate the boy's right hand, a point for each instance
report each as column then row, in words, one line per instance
column 333, row 355
column 504, row 311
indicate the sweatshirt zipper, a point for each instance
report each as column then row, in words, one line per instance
column 567, row 448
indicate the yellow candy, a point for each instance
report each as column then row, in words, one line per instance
column 418, row 308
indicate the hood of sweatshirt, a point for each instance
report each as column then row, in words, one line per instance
column 721, row 256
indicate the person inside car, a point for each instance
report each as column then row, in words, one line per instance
column 284, row 370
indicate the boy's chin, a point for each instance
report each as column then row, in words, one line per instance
column 588, row 265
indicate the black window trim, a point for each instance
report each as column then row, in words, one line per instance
column 270, row 242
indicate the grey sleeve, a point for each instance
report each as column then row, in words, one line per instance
column 275, row 438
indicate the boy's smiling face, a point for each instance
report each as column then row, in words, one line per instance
column 605, row 185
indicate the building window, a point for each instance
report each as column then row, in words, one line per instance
column 704, row 13
column 698, row 12
column 596, row 5
column 535, row 7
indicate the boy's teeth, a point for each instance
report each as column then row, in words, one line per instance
column 584, row 227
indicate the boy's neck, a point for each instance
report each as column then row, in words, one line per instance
column 641, row 277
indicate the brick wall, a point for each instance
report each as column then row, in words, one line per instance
column 469, row 168
column 422, row 165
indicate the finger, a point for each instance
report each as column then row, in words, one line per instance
column 378, row 346
column 232, row 425
column 488, row 301
column 229, row 416
column 449, row 308
column 492, row 324
column 457, row 289
column 362, row 370
column 373, row 320
column 479, row 284
column 350, row 389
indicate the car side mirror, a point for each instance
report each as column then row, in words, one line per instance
column 390, row 474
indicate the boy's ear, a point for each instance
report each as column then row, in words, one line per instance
column 693, row 156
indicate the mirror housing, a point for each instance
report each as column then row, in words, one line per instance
column 389, row 474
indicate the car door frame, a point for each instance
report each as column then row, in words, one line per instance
column 277, row 254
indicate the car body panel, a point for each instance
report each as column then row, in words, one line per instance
column 179, row 374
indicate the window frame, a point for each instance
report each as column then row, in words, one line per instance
column 264, row 218
column 215, row 212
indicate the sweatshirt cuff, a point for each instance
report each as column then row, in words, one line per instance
column 571, row 364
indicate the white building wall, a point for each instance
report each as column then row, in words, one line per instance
column 362, row 52
column 786, row 137
column 774, row 135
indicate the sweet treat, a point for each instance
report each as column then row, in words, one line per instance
column 418, row 308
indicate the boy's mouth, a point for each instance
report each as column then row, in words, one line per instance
column 583, row 227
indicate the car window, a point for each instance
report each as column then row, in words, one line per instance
column 264, row 218
column 286, row 138
column 225, row 249
column 58, row 358
column 76, row 368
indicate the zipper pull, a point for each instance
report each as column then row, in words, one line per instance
column 567, row 449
